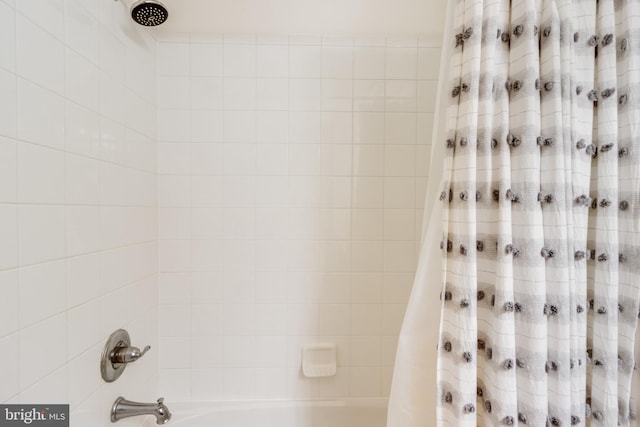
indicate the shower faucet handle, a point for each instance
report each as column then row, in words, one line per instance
column 117, row 353
column 127, row 354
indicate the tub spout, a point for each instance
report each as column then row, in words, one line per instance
column 123, row 408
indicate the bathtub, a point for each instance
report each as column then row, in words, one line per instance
column 308, row 413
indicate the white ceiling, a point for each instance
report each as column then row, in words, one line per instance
column 306, row 16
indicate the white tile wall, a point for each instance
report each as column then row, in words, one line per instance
column 77, row 202
column 288, row 205
column 291, row 178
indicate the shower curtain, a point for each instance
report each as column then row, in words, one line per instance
column 533, row 247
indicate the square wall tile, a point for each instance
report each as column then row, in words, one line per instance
column 271, row 383
column 272, row 61
column 305, row 94
column 173, row 125
column 83, row 279
column 173, row 92
column 41, row 174
column 366, row 256
column 337, row 95
column 399, row 224
column 206, row 223
column 81, row 78
column 174, row 288
column 82, row 181
column 83, row 231
column 175, row 352
column 7, row 38
column 400, row 128
column 401, row 95
column 206, row 126
column 50, row 334
column 174, row 190
column 400, row 160
column 8, row 96
column 429, row 63
column 174, row 320
column 366, row 319
column 337, row 62
column 112, row 97
column 8, row 170
column 174, row 255
column 9, row 311
column 402, row 63
column 174, row 158
column 368, row 192
column 42, row 291
column 176, row 382
column 399, row 256
column 82, row 30
column 207, row 93
column 272, row 159
column 82, row 379
column 206, row 59
column 369, row 63
column 40, row 115
column 368, row 128
column 239, row 126
column 49, row 15
column 207, row 320
column 369, row 160
column 173, row 59
column 399, row 192
column 337, row 127
column 366, row 288
column 207, row 384
column 10, row 374
column 272, row 94
column 174, row 223
column 366, row 381
column 83, row 327
column 82, row 131
column 239, row 93
column 369, row 95
column 41, row 233
column 34, row 47
column 366, row 351
column 208, row 191
column 427, row 92
column 240, row 60
column 207, row 352
column 305, row 61
column 272, row 127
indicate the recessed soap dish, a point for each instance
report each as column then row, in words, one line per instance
column 319, row 360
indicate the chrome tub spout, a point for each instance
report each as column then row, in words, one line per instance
column 123, row 408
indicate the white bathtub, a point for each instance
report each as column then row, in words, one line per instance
column 312, row 413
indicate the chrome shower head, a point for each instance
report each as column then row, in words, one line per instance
column 149, row 13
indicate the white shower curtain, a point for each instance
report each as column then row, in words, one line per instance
column 538, row 223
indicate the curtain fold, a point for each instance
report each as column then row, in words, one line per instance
column 537, row 222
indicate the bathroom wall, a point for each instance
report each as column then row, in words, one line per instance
column 378, row 17
column 78, row 236
column 292, row 174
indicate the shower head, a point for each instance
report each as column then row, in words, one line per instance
column 149, row 13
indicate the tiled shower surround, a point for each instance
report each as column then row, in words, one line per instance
column 292, row 173
column 78, row 184
column 284, row 177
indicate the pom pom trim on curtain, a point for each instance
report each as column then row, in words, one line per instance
column 541, row 215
